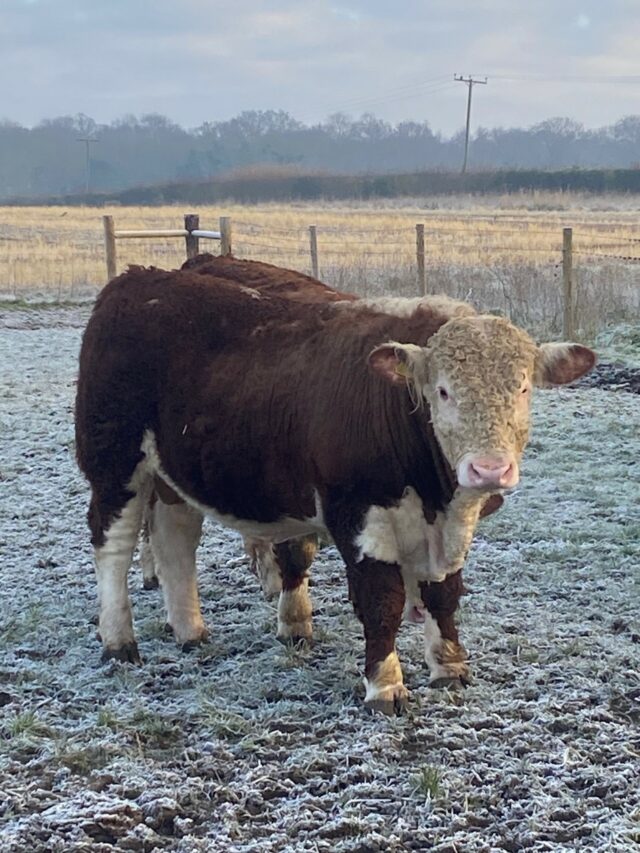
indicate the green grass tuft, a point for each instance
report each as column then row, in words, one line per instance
column 427, row 782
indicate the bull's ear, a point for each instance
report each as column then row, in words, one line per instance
column 558, row 364
column 397, row 363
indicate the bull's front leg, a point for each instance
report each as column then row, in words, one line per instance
column 376, row 590
column 445, row 656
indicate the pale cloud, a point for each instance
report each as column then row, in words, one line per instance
column 197, row 61
column 343, row 12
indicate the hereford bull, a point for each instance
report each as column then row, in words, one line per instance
column 388, row 424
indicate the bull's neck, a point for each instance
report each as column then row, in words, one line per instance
column 424, row 466
column 446, row 476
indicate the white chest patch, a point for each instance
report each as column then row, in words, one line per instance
column 425, row 552
column 276, row 531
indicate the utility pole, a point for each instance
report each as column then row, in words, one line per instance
column 470, row 83
column 87, row 163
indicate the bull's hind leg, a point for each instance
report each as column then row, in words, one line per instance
column 264, row 565
column 444, row 654
column 175, row 531
column 113, row 555
column 267, row 560
column 294, row 605
column 147, row 561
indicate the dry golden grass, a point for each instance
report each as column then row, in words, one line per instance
column 492, row 254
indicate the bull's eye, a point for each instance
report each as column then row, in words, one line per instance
column 442, row 393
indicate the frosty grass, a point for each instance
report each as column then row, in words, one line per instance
column 244, row 745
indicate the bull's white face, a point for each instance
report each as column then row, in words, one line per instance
column 476, row 375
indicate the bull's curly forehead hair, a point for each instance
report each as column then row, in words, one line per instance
column 480, row 340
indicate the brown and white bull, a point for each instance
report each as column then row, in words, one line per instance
column 390, row 425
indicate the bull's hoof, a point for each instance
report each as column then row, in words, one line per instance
column 293, row 640
column 150, row 583
column 390, row 707
column 449, row 682
column 126, row 654
column 294, row 632
column 190, row 644
column 391, row 700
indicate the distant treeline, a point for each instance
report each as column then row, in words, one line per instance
column 251, row 188
column 287, row 159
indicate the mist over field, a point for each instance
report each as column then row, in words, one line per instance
column 50, row 158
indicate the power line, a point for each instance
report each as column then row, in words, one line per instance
column 570, row 78
column 374, row 101
column 426, row 87
column 397, row 92
column 470, row 82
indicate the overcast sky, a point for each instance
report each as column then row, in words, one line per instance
column 207, row 60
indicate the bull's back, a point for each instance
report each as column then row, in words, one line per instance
column 267, row 279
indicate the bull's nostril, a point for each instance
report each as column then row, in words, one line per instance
column 506, row 474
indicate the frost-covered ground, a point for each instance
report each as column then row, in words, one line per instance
column 244, row 745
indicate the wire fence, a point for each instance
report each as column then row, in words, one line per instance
column 517, row 266
column 486, row 241
column 526, row 271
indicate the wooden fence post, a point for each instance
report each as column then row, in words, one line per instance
column 225, row 235
column 568, row 323
column 422, row 276
column 110, row 246
column 191, row 223
column 313, row 247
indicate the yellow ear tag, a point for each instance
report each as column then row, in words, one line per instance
column 402, row 369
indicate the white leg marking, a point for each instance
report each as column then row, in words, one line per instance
column 294, row 613
column 175, row 534
column 444, row 658
column 264, row 565
column 387, row 684
column 113, row 560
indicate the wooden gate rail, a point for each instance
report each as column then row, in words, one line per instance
column 191, row 232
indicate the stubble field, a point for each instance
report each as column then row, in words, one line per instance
column 502, row 253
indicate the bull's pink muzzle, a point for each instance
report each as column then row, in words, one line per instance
column 488, row 472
